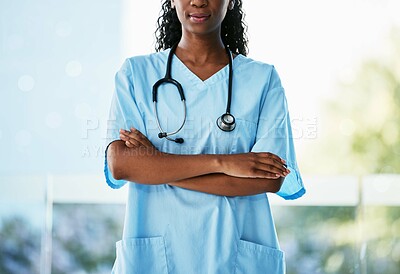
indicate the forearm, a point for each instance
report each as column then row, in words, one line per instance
column 150, row 166
column 225, row 185
column 135, row 159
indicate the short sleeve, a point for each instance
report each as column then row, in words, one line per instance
column 124, row 114
column 274, row 134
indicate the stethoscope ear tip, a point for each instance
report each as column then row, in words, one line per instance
column 179, row 140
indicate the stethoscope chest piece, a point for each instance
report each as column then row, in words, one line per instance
column 226, row 122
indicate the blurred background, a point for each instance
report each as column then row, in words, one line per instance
column 339, row 62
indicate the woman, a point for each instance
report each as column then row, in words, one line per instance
column 199, row 204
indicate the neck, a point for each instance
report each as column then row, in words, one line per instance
column 200, row 49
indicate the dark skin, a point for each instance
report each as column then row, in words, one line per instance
column 201, row 48
column 134, row 158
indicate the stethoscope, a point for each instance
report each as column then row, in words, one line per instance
column 226, row 122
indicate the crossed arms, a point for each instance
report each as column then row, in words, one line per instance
column 134, row 158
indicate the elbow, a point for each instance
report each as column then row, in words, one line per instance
column 123, row 164
column 275, row 185
column 114, row 161
column 116, row 172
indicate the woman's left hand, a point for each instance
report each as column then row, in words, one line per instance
column 134, row 138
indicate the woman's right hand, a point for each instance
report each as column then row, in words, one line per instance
column 134, row 138
column 254, row 165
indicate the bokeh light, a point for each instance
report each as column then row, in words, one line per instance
column 26, row 83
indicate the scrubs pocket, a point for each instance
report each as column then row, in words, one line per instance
column 256, row 259
column 141, row 255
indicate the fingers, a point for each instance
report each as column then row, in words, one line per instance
column 128, row 144
column 277, row 170
column 131, row 140
column 271, row 163
column 141, row 137
column 267, row 175
column 269, row 155
column 134, row 138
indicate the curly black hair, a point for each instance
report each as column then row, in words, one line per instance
column 233, row 30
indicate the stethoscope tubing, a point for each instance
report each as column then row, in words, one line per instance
column 162, row 132
column 228, row 104
column 227, row 124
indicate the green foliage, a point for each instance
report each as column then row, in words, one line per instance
column 19, row 247
column 364, row 118
column 84, row 237
column 317, row 239
column 382, row 238
column 339, row 240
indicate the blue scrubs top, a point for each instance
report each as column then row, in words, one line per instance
column 174, row 230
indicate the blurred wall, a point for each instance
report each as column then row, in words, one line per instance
column 57, row 62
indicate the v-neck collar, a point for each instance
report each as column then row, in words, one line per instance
column 221, row 74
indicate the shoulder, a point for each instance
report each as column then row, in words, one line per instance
column 149, row 60
column 247, row 62
column 249, row 67
column 132, row 68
